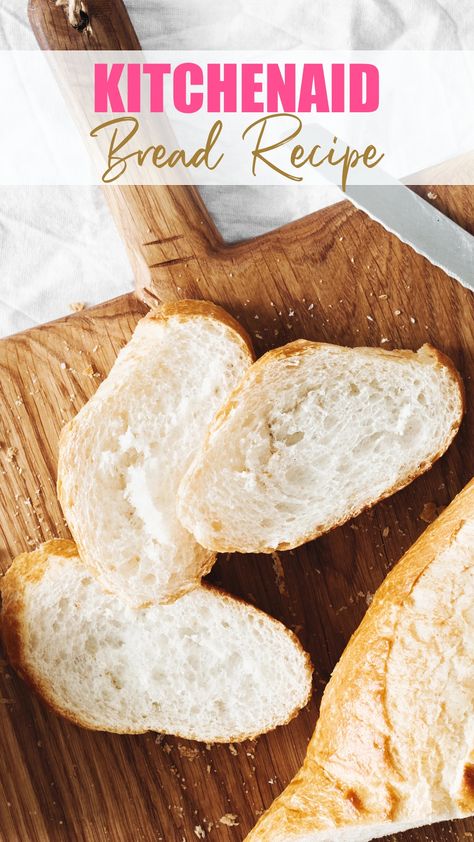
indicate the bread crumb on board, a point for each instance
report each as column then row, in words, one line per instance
column 279, row 571
column 77, row 306
column 11, row 453
column 229, row 820
column 199, row 831
column 188, row 752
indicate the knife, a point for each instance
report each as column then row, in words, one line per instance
column 418, row 224
column 403, row 213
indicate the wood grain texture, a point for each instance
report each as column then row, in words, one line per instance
column 109, row 27
column 61, row 783
column 334, row 276
column 162, row 227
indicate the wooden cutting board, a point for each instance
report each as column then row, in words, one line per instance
column 334, row 276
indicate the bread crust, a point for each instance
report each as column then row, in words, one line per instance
column 316, row 800
column 189, row 308
column 301, row 347
column 29, row 567
column 185, row 310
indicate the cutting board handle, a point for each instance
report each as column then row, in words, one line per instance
column 163, row 226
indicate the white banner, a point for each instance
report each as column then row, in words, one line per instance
column 236, row 117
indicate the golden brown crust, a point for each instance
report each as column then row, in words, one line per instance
column 25, row 569
column 189, row 307
column 184, row 310
column 466, row 795
column 466, row 791
column 352, row 736
column 29, row 568
column 302, row 346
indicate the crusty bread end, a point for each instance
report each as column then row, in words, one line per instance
column 394, row 743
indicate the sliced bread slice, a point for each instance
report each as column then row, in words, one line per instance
column 393, row 747
column 122, row 457
column 205, row 667
column 313, row 435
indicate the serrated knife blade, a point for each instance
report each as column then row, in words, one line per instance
column 402, row 212
column 418, row 224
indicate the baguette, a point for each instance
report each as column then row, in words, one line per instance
column 122, row 457
column 314, row 435
column 393, row 747
column 206, row 667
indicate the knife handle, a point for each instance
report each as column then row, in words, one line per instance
column 163, row 227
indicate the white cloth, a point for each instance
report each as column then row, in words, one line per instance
column 59, row 245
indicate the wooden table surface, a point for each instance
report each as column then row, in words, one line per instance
column 334, row 276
